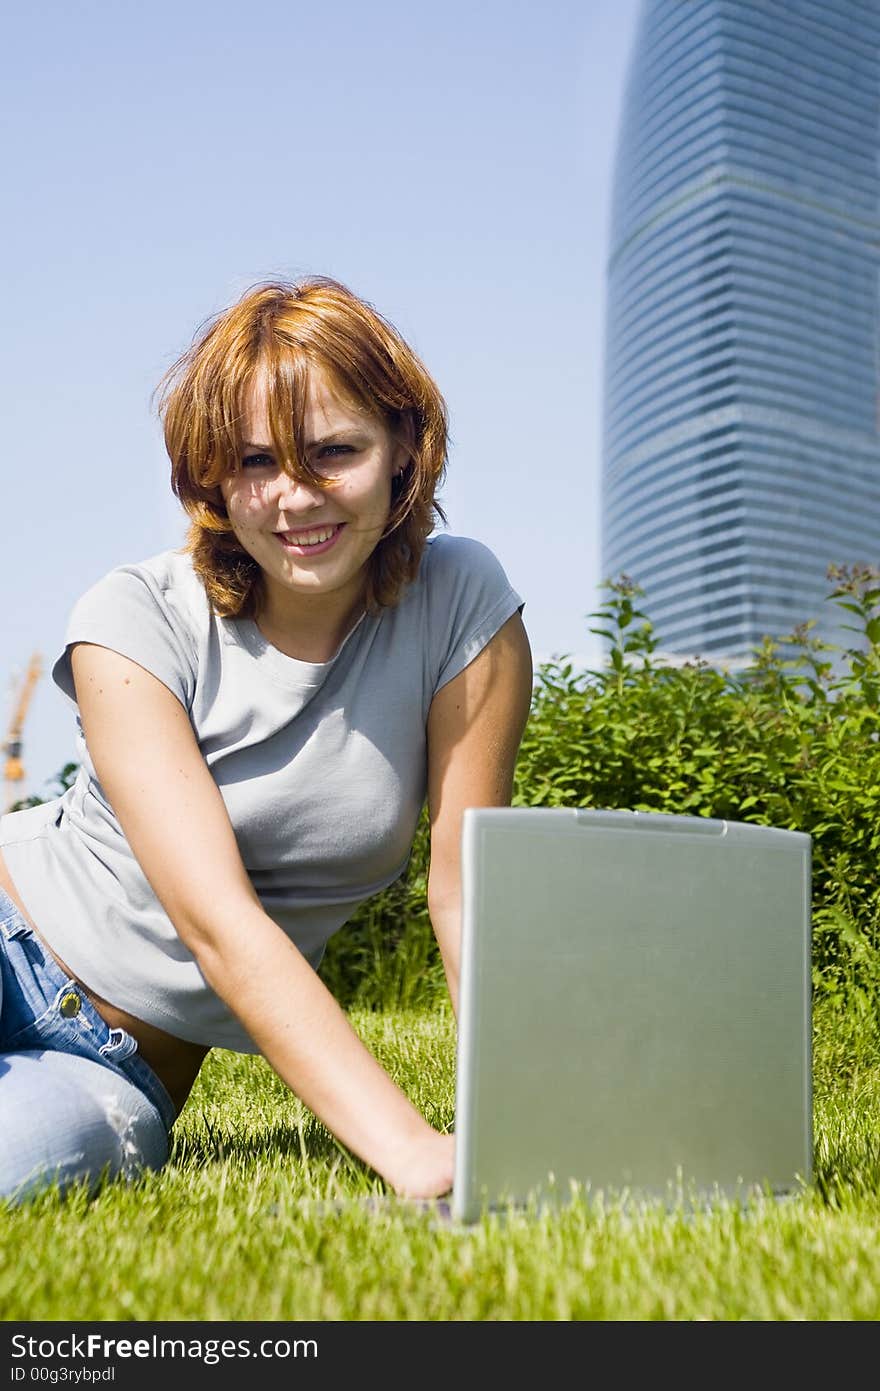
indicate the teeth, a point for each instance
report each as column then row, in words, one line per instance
column 309, row 538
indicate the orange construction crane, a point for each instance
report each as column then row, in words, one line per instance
column 14, row 768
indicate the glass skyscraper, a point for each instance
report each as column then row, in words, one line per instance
column 741, row 441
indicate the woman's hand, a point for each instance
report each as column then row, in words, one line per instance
column 424, row 1169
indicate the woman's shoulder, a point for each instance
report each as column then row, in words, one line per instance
column 166, row 579
column 165, row 570
column 448, row 555
column 153, row 611
column 460, row 569
column 468, row 595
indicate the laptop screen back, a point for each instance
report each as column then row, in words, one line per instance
column 635, row 1007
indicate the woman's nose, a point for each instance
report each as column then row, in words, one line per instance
column 296, row 494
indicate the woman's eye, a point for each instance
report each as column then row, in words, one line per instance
column 330, row 457
column 258, row 461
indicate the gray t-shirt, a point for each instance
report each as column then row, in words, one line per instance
column 322, row 767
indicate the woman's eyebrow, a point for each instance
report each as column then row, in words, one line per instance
column 332, row 437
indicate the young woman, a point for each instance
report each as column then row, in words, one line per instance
column 261, row 717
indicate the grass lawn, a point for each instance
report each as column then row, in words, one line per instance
column 260, row 1216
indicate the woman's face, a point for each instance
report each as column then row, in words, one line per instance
column 310, row 541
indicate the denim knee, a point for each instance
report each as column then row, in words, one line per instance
column 77, row 1102
column 66, row 1120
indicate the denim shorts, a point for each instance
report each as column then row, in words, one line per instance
column 76, row 1099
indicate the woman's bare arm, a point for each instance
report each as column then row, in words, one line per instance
column 475, row 726
column 169, row 807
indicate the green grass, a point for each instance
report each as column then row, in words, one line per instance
column 261, row 1216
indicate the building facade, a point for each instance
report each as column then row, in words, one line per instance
column 742, row 411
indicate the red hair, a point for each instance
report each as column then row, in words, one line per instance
column 281, row 331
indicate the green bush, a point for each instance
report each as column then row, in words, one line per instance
column 789, row 740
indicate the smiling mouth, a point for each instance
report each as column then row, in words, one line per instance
column 315, row 538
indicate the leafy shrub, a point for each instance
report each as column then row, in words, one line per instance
column 789, row 740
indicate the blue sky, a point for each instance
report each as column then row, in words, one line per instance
column 450, row 163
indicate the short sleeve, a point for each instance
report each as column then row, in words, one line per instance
column 130, row 611
column 469, row 598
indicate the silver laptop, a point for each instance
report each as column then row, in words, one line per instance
column 635, row 1009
